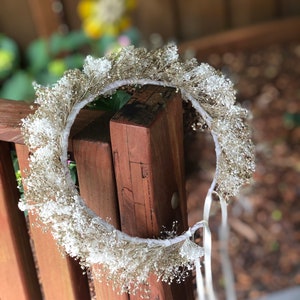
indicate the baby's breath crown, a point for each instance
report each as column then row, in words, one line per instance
column 52, row 196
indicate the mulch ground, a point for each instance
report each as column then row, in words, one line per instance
column 264, row 241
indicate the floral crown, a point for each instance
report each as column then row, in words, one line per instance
column 53, row 197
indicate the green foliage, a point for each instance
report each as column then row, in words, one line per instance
column 104, row 43
column 37, row 56
column 18, row 87
column 291, row 119
column 9, row 56
column 17, row 172
column 59, row 43
column 73, row 171
column 112, row 103
column 46, row 60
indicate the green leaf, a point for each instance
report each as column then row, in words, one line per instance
column 9, row 56
column 17, row 171
column 38, row 56
column 18, row 87
column 74, row 61
column 56, row 68
column 76, row 40
column 19, row 182
column 73, row 41
column 57, row 44
column 104, row 44
column 47, row 78
column 73, row 171
column 134, row 35
column 15, row 160
column 113, row 103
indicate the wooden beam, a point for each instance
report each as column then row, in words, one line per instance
column 92, row 153
column 12, row 112
column 147, row 145
column 251, row 37
column 18, row 278
column 199, row 18
column 45, row 19
column 61, row 277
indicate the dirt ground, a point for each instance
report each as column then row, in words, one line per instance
column 264, row 241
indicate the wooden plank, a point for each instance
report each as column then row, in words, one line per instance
column 200, row 18
column 18, row 278
column 155, row 16
column 16, row 22
column 60, row 276
column 290, row 7
column 71, row 14
column 147, row 138
column 92, row 153
column 46, row 20
column 12, row 112
column 252, row 37
column 247, row 12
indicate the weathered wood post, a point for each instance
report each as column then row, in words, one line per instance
column 147, row 145
column 61, row 277
column 92, row 152
column 141, row 192
column 18, row 276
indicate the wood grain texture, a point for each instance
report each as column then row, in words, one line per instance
column 249, row 12
column 199, row 18
column 18, row 278
column 17, row 23
column 61, row 277
column 92, row 153
column 71, row 14
column 12, row 112
column 46, row 20
column 156, row 16
column 289, row 7
column 146, row 137
column 252, row 37
column 181, row 20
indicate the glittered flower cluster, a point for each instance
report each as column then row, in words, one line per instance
column 52, row 196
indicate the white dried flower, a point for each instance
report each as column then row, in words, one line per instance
column 51, row 194
column 96, row 67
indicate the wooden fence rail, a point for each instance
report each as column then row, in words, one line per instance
column 129, row 167
column 173, row 19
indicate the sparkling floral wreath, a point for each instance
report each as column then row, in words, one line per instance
column 52, row 196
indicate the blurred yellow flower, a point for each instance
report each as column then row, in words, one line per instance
column 105, row 16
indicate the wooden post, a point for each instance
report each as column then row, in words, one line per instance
column 60, row 276
column 147, row 145
column 46, row 20
column 251, row 37
column 92, row 153
column 18, row 278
